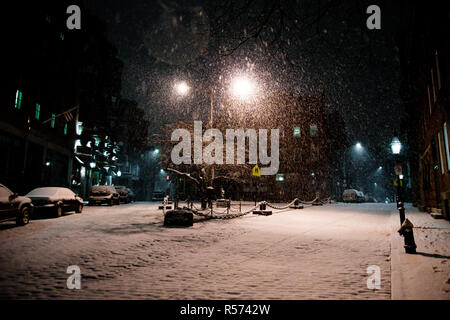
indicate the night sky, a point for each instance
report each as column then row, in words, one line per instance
column 357, row 69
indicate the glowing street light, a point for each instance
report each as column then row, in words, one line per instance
column 242, row 88
column 182, row 88
column 358, row 146
column 396, row 145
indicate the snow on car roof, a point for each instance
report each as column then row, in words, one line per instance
column 48, row 192
column 103, row 189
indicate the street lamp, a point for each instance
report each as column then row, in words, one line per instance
column 182, row 88
column 396, row 146
column 406, row 227
column 242, row 88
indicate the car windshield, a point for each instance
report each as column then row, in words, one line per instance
column 44, row 192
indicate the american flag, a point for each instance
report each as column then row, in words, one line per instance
column 68, row 116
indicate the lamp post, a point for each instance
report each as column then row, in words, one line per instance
column 406, row 227
column 396, row 147
column 241, row 88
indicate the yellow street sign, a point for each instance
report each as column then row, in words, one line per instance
column 256, row 171
column 396, row 182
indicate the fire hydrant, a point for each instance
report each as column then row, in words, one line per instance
column 406, row 230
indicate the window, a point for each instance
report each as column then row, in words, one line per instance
column 297, row 132
column 313, row 130
column 441, row 157
column 447, row 155
column 65, row 129
column 438, row 72
column 52, row 123
column 61, row 36
column 18, row 103
column 429, row 99
column 38, row 111
column 432, row 83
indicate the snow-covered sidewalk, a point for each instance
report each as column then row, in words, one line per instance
column 425, row 275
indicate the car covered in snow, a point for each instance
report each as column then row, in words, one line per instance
column 353, row 195
column 104, row 194
column 56, row 200
column 131, row 195
column 123, row 194
column 158, row 196
column 14, row 207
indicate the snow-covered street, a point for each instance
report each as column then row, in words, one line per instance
column 124, row 252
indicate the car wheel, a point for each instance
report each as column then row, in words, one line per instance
column 79, row 208
column 118, row 201
column 58, row 211
column 24, row 216
column 111, row 202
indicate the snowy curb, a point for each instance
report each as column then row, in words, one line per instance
column 422, row 275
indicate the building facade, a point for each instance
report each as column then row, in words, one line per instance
column 424, row 48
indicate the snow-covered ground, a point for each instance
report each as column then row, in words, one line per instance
column 425, row 275
column 124, row 252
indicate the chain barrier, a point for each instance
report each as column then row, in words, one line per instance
column 212, row 214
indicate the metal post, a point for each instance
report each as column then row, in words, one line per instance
column 400, row 204
column 211, row 91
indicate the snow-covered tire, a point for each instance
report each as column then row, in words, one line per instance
column 58, row 211
column 79, row 209
column 24, row 216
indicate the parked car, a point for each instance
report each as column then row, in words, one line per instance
column 158, row 196
column 14, row 207
column 131, row 195
column 104, row 194
column 123, row 194
column 55, row 199
column 352, row 195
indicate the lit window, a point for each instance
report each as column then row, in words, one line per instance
column 18, row 103
column 447, row 155
column 297, row 132
column 38, row 111
column 441, row 156
column 61, row 36
column 65, row 129
column 52, row 123
column 313, row 130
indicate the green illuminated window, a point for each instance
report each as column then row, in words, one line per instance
column 61, row 36
column 313, row 130
column 52, row 123
column 47, row 18
column 65, row 129
column 38, row 111
column 18, row 103
column 297, row 132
